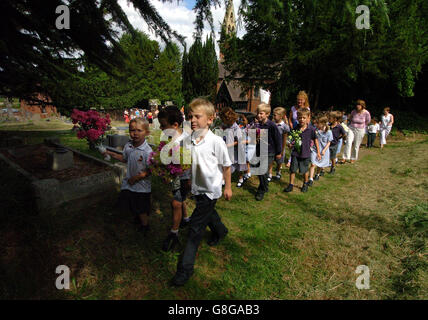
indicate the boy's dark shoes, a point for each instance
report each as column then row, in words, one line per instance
column 184, row 223
column 289, row 188
column 305, row 188
column 180, row 279
column 310, row 183
column 332, row 170
column 321, row 173
column 144, row 229
column 277, row 177
column 317, row 177
column 259, row 196
column 170, row 242
column 215, row 239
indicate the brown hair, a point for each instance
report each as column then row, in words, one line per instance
column 386, row 109
column 228, row 116
column 361, row 103
column 303, row 111
column 323, row 120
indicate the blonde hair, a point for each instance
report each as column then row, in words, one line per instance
column 336, row 115
column 144, row 123
column 304, row 95
column 280, row 111
column 204, row 104
column 263, row 107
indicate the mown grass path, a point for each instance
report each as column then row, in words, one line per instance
column 289, row 246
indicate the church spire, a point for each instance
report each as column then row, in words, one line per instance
column 229, row 23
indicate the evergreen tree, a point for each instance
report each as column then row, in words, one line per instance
column 200, row 70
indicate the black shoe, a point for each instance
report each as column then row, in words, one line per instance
column 170, row 242
column 317, row 177
column 278, row 176
column 180, row 279
column 259, row 196
column 305, row 188
column 215, row 239
column 321, row 173
column 184, row 223
column 332, row 170
column 144, row 229
column 310, row 183
column 289, row 188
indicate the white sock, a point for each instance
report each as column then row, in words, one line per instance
column 186, row 219
column 311, row 179
column 241, row 180
column 249, row 175
column 174, row 231
column 270, row 175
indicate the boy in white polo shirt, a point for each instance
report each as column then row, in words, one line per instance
column 210, row 165
column 136, row 189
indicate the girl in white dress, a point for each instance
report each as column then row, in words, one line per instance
column 386, row 122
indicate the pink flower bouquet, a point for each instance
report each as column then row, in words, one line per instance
column 176, row 166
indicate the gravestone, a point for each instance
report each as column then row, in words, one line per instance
column 117, row 140
column 35, row 116
column 60, row 159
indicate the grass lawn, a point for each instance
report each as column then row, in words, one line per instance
column 289, row 246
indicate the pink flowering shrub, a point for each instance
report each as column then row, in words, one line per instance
column 91, row 126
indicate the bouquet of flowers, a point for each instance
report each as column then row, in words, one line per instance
column 181, row 161
column 253, row 126
column 91, row 126
column 294, row 140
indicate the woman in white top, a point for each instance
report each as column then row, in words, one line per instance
column 386, row 122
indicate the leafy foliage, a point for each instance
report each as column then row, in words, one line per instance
column 315, row 45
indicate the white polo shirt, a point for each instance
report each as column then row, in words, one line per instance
column 209, row 156
column 136, row 158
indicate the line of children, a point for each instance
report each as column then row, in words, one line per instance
column 211, row 164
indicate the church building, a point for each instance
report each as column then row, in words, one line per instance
column 229, row 92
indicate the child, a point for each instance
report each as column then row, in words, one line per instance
column 387, row 120
column 324, row 137
column 210, row 164
column 234, row 142
column 342, row 141
column 274, row 146
column 338, row 134
column 372, row 130
column 170, row 120
column 300, row 160
column 284, row 129
column 136, row 190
